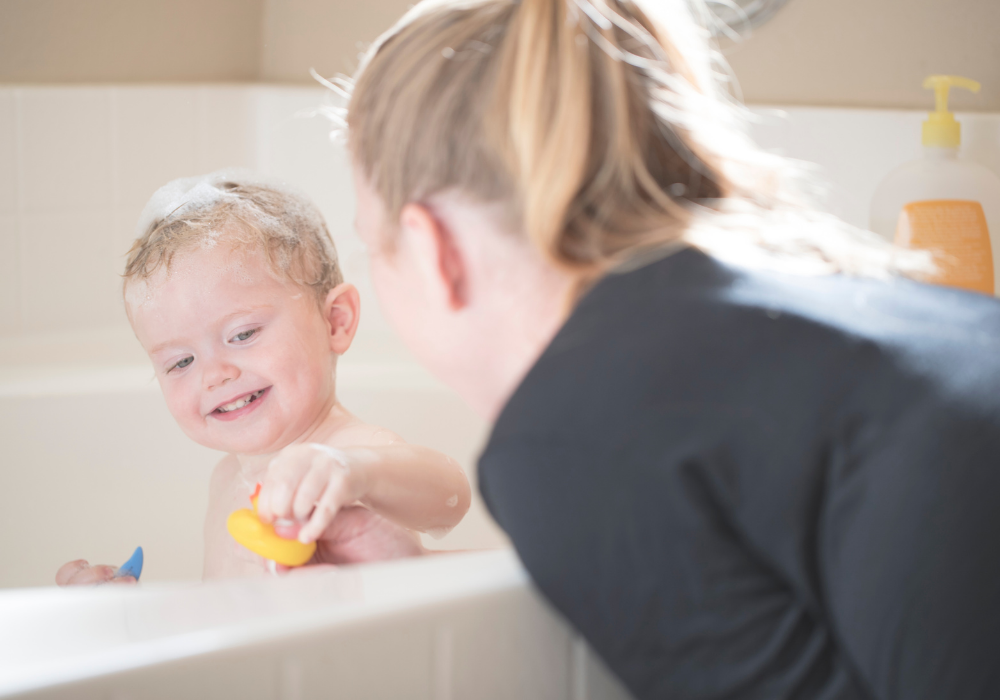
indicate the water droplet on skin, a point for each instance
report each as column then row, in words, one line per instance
column 438, row 532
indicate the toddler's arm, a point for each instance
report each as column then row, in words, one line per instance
column 416, row 487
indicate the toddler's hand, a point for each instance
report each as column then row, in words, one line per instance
column 310, row 484
column 81, row 573
column 355, row 536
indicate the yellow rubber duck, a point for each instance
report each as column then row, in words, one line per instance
column 260, row 538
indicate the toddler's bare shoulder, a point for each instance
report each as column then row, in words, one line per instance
column 361, row 434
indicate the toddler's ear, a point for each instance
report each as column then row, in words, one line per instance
column 342, row 311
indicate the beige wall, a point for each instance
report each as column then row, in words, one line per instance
column 871, row 53
column 323, row 34
column 106, row 41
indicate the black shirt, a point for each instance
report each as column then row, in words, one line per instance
column 741, row 484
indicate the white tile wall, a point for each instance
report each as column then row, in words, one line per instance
column 293, row 143
column 155, row 140
column 856, row 148
column 65, row 149
column 77, row 164
column 8, row 158
column 68, row 279
column 97, row 153
column 226, row 128
column 10, row 276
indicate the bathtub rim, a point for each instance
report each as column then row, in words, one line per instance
column 432, row 580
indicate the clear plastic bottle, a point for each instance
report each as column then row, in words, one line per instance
column 944, row 203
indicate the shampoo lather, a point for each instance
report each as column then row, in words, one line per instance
column 943, row 203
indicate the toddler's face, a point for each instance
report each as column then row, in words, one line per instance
column 243, row 359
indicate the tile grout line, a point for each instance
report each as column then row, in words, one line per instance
column 200, row 118
column 577, row 668
column 113, row 133
column 114, row 146
column 19, row 206
column 441, row 661
column 290, row 678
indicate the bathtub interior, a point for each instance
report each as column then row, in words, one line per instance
column 101, row 467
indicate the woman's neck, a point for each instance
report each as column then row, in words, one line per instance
column 521, row 322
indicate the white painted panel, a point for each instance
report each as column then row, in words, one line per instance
column 981, row 139
column 155, row 140
column 8, row 157
column 294, row 145
column 596, row 681
column 123, row 222
column 855, row 149
column 247, row 676
column 530, row 659
column 69, row 273
column 65, row 148
column 391, row 658
column 226, row 128
column 10, row 276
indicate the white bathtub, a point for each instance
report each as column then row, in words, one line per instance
column 447, row 627
column 92, row 465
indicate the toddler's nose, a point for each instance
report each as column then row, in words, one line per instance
column 219, row 373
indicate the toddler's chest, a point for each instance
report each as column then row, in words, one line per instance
column 230, row 558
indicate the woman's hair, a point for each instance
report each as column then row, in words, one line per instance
column 247, row 214
column 603, row 127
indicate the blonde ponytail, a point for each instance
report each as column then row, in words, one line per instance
column 600, row 133
column 548, row 123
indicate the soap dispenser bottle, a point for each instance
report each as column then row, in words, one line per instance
column 943, row 203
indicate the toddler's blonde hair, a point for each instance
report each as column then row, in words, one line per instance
column 603, row 127
column 244, row 212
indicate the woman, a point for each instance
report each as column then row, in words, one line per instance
column 739, row 452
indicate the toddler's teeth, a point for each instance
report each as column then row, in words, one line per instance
column 240, row 403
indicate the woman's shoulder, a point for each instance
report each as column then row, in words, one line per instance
column 688, row 328
column 690, row 280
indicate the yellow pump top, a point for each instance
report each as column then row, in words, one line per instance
column 941, row 129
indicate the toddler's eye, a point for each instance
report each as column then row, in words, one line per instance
column 245, row 335
column 183, row 363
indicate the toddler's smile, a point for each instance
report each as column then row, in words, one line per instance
column 235, row 409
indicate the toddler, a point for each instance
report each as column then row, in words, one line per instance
column 235, row 292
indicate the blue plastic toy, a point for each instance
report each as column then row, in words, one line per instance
column 133, row 567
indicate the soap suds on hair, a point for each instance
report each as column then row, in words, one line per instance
column 251, row 214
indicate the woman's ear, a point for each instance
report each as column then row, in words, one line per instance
column 342, row 311
column 438, row 257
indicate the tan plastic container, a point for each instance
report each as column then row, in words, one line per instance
column 943, row 203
